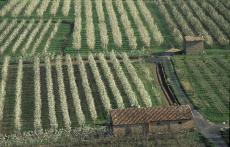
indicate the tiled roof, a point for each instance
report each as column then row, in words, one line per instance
column 194, row 38
column 145, row 115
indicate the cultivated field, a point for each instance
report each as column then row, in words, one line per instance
column 206, row 82
column 106, row 25
column 209, row 18
column 132, row 26
column 68, row 93
column 65, row 63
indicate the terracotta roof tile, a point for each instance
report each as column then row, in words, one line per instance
column 145, row 115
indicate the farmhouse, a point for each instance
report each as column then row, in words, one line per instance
column 193, row 45
column 140, row 121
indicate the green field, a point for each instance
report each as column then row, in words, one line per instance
column 206, row 83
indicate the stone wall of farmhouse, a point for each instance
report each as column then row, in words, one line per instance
column 138, row 129
column 152, row 128
column 194, row 48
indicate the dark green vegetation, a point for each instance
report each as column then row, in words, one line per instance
column 206, row 83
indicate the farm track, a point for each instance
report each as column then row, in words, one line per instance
column 210, row 130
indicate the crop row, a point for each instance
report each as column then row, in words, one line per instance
column 36, row 7
column 118, row 12
column 19, row 37
column 65, row 70
column 196, row 18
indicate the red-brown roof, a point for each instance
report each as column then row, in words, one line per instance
column 194, row 38
column 130, row 116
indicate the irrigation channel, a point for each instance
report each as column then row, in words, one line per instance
column 170, row 83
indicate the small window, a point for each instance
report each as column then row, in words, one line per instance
column 158, row 123
column 180, row 122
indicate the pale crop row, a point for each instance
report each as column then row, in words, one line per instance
column 126, row 24
column 125, row 83
column 137, row 81
column 117, row 38
column 54, row 7
column 112, row 83
column 50, row 95
column 90, row 35
column 37, row 95
column 31, row 7
column 53, row 33
column 42, row 8
column 171, row 24
column 87, row 89
column 102, row 25
column 156, row 34
column 22, row 36
column 41, row 36
column 77, row 25
column 19, row 7
column 62, row 94
column 7, row 30
column 66, row 7
column 12, row 36
column 74, row 91
column 18, row 98
column 32, row 37
column 3, row 82
column 140, row 26
column 100, row 85
column 8, row 7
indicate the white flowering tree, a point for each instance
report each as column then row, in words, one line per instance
column 32, row 36
column 18, row 98
column 41, row 36
column 140, row 26
column 125, row 83
column 117, row 38
column 5, row 69
column 100, row 84
column 102, row 25
column 74, row 91
column 87, row 89
column 137, row 81
column 12, row 36
column 110, row 79
column 22, row 37
column 77, row 25
column 90, row 35
column 37, row 95
column 61, row 90
column 126, row 24
column 50, row 95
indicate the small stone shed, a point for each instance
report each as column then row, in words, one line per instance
column 148, row 121
column 194, row 45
